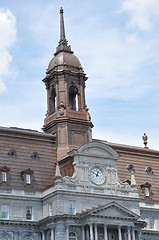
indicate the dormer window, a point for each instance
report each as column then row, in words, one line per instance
column 35, row 155
column 12, row 153
column 27, row 175
column 4, row 172
column 149, row 170
column 146, row 189
column 131, row 168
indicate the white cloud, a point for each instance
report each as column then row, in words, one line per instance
column 143, row 13
column 8, row 37
column 118, row 64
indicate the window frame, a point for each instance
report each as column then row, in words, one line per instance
column 5, row 212
column 28, row 179
column 26, row 173
column 50, row 209
column 30, row 209
column 72, row 207
column 146, row 189
column 72, row 237
column 4, row 170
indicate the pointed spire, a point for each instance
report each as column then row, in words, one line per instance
column 57, row 174
column 63, row 42
column 62, row 28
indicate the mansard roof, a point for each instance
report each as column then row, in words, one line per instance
column 140, row 158
column 25, row 142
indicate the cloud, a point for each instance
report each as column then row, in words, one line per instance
column 118, row 61
column 8, row 37
column 143, row 13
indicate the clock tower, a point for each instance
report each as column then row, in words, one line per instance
column 67, row 114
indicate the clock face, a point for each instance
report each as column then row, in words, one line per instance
column 96, row 175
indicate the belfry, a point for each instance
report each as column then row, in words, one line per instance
column 67, row 113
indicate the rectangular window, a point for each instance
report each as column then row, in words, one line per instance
column 152, row 222
column 147, row 192
column 28, row 179
column 50, row 207
column 5, row 211
column 29, row 213
column 72, row 207
column 4, row 177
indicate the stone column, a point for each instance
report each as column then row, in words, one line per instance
column 91, row 231
column 119, row 232
column 139, row 234
column 60, row 232
column 43, row 235
column 133, row 233
column 96, row 231
column 52, row 234
column 125, row 235
column 105, row 232
column 67, row 232
column 15, row 235
column 129, row 235
column 83, row 233
column 87, row 233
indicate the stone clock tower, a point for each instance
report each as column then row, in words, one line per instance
column 67, row 114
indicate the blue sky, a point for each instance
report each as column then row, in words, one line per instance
column 117, row 45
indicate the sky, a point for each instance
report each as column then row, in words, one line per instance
column 118, row 47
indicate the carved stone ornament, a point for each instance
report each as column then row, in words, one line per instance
column 61, row 109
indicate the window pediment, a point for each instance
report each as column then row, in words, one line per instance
column 147, row 184
column 27, row 171
column 4, row 169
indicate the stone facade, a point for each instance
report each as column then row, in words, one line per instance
column 61, row 184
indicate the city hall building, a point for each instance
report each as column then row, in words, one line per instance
column 60, row 184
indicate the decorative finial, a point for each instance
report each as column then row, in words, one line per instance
column 133, row 181
column 145, row 138
column 57, row 174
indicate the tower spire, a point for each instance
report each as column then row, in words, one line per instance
column 62, row 46
column 62, row 28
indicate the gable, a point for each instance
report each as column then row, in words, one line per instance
column 96, row 148
column 113, row 210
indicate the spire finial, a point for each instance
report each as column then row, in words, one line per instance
column 62, row 28
column 63, row 42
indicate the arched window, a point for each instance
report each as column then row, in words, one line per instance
column 73, row 98
column 53, row 95
column 52, row 101
column 72, row 236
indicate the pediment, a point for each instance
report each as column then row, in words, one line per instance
column 113, row 210
column 96, row 148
